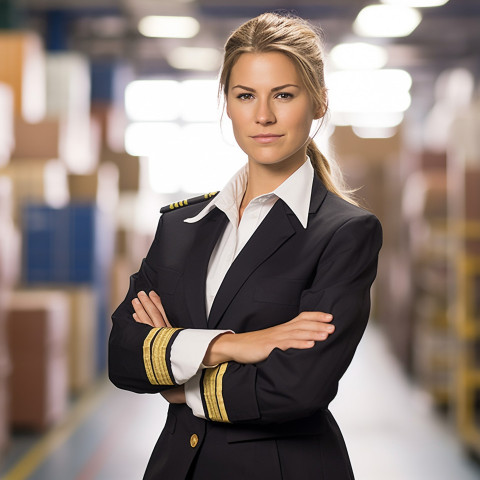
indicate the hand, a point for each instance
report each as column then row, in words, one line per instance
column 174, row 395
column 149, row 310
column 252, row 347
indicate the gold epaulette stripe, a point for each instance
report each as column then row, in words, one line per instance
column 213, row 393
column 147, row 357
column 188, row 201
column 159, row 351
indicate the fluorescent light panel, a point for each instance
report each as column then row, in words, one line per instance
column 359, row 55
column 416, row 3
column 168, row 27
column 195, row 58
column 153, row 100
column 208, row 168
column 167, row 100
column 371, row 91
column 386, row 21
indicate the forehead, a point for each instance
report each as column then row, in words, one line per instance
column 267, row 70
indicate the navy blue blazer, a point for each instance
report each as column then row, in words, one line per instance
column 269, row 420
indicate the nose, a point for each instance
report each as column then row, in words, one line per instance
column 264, row 113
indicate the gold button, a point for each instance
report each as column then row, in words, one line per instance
column 194, row 440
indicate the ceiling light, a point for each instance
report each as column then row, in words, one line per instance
column 200, row 101
column 357, row 56
column 368, row 120
column 386, row 21
column 374, row 132
column 151, row 138
column 416, row 3
column 168, row 27
column 152, row 100
column 374, row 91
column 193, row 58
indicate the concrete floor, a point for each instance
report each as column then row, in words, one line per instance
column 391, row 431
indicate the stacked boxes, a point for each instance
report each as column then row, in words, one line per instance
column 37, row 329
column 64, row 202
column 36, row 180
column 464, row 168
column 71, row 246
column 9, row 269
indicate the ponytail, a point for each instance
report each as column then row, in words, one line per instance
column 329, row 173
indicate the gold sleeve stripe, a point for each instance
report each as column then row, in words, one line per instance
column 147, row 358
column 213, row 393
column 154, row 355
column 221, row 403
column 159, row 351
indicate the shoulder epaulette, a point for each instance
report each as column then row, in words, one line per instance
column 188, row 201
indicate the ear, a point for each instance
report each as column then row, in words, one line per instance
column 321, row 110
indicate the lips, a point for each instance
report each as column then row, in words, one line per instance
column 266, row 137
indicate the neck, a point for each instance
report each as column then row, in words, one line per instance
column 266, row 178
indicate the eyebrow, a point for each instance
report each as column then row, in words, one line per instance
column 275, row 89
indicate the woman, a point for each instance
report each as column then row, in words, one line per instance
column 225, row 316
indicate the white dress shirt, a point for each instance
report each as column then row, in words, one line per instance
column 190, row 346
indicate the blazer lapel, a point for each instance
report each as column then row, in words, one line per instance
column 209, row 230
column 275, row 230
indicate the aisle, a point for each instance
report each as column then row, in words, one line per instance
column 390, row 428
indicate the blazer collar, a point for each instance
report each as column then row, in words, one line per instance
column 291, row 191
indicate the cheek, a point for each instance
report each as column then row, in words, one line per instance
column 239, row 118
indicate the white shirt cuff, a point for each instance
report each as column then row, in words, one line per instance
column 193, row 397
column 188, row 350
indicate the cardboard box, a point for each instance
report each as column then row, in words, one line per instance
column 68, row 85
column 82, row 342
column 6, row 197
column 100, row 187
column 4, row 405
column 37, row 332
column 36, row 181
column 72, row 246
column 346, row 144
column 38, row 140
column 7, row 141
column 128, row 167
column 23, row 69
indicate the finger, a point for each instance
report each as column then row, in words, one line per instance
column 315, row 335
column 151, row 310
column 158, row 303
column 298, row 344
column 312, row 326
column 139, row 319
column 316, row 316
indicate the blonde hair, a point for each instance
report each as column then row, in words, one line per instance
column 299, row 41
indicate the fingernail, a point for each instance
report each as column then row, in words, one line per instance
column 329, row 316
column 142, row 293
column 136, row 301
column 330, row 328
column 152, row 292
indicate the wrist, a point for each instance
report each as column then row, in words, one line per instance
column 219, row 350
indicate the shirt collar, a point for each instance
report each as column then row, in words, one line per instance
column 291, row 191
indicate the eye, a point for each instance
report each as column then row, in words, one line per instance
column 284, row 95
column 245, row 96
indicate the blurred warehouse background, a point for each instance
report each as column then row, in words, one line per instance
column 108, row 111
